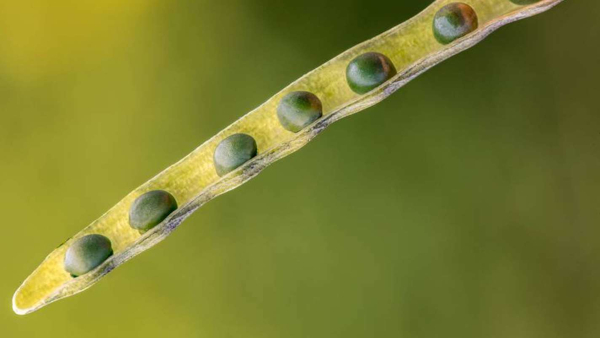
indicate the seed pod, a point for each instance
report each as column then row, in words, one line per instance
column 86, row 253
column 234, row 151
column 524, row 2
column 368, row 71
column 454, row 21
column 193, row 178
column 297, row 110
column 150, row 209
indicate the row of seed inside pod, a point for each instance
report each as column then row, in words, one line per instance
column 295, row 111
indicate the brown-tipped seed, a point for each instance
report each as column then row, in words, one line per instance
column 297, row 110
column 368, row 71
column 454, row 21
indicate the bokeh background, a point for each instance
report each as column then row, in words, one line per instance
column 465, row 205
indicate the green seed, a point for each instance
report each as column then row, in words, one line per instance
column 368, row 71
column 524, row 2
column 234, row 151
column 299, row 109
column 151, row 208
column 87, row 253
column 453, row 21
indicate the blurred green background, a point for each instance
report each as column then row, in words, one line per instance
column 465, row 205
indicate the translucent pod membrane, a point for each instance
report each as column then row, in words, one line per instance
column 412, row 49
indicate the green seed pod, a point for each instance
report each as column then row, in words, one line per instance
column 368, row 71
column 524, row 2
column 194, row 179
column 234, row 151
column 453, row 21
column 150, row 209
column 297, row 110
column 87, row 253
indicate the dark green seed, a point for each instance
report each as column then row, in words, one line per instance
column 234, row 151
column 87, row 253
column 299, row 109
column 150, row 209
column 453, row 21
column 368, row 71
column 524, row 2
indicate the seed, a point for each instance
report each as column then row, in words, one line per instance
column 453, row 21
column 87, row 253
column 297, row 110
column 234, row 151
column 151, row 208
column 524, row 2
column 367, row 71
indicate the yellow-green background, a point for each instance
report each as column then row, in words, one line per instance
column 465, row 205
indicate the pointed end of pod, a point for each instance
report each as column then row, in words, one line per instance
column 22, row 303
column 18, row 308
